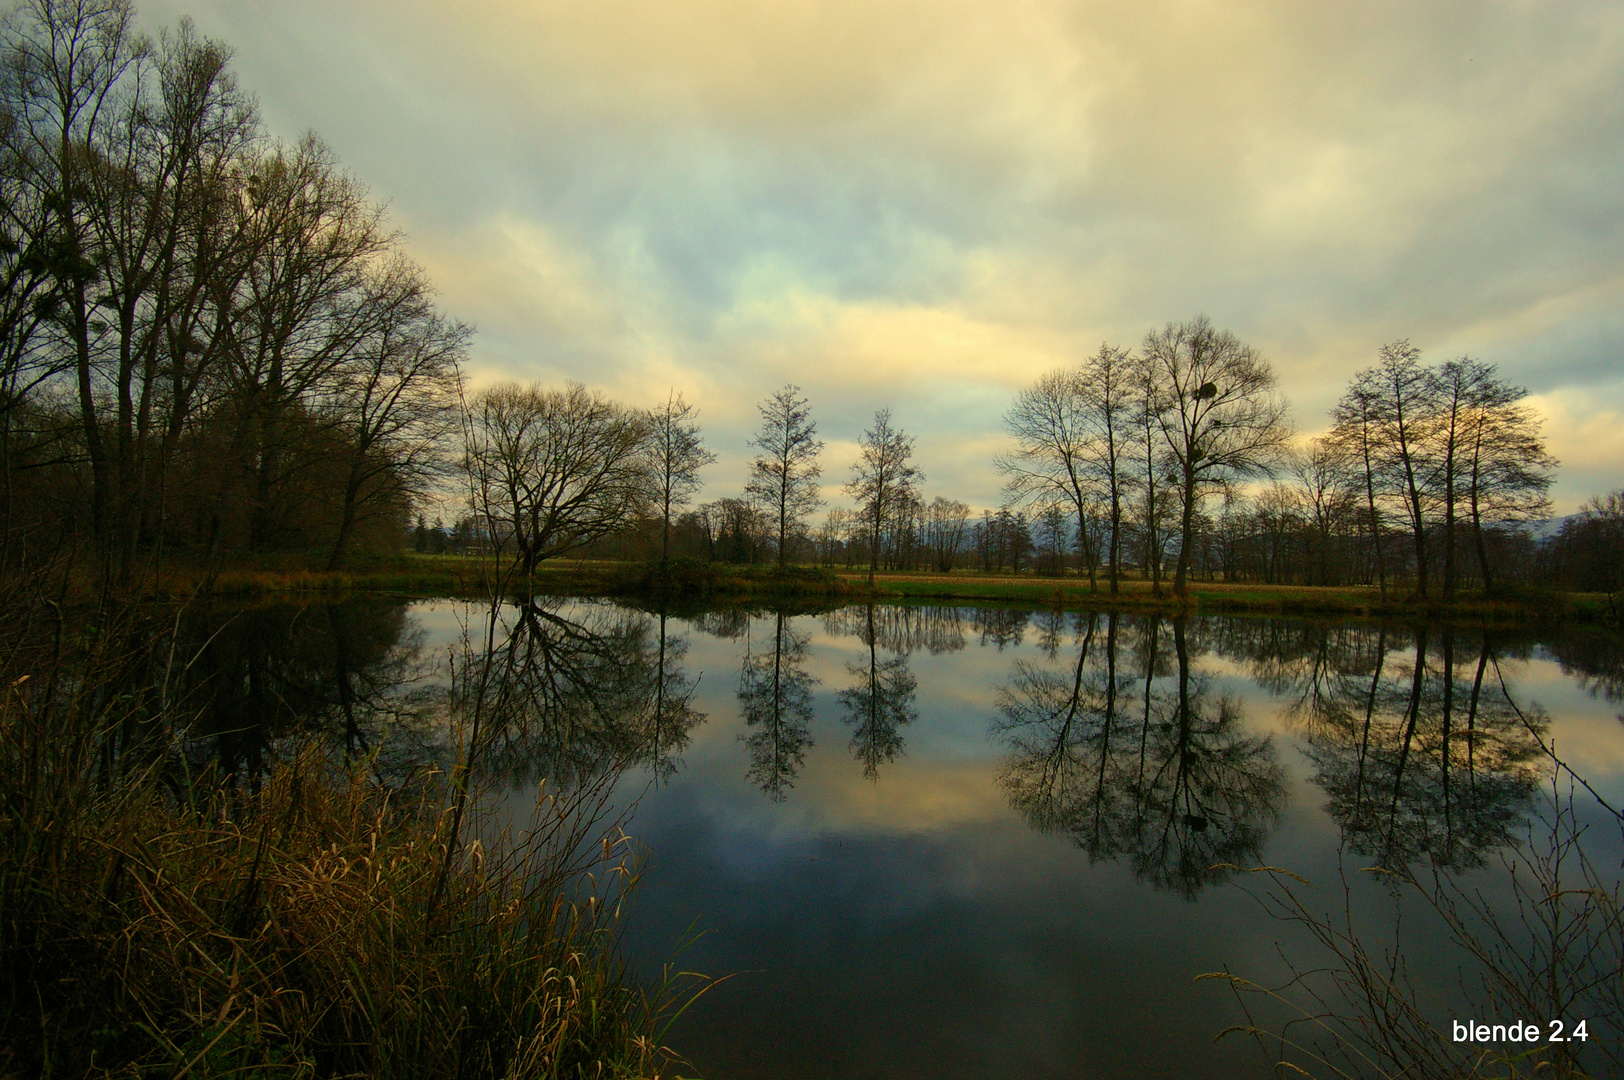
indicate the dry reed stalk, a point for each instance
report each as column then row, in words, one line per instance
column 158, row 924
column 1552, row 948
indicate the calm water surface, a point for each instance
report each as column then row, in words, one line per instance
column 979, row 842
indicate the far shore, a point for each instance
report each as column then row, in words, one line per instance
column 691, row 581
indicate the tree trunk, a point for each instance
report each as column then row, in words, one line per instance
column 1482, row 547
column 346, row 524
column 1116, row 527
column 665, row 526
column 1186, row 534
column 1375, row 518
column 1449, row 523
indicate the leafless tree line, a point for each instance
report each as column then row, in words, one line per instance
column 1585, row 554
column 1136, row 442
column 552, row 472
column 209, row 339
column 1182, row 454
column 1431, row 478
column 211, row 342
column 1174, row 460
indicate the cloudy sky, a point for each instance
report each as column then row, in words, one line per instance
column 924, row 204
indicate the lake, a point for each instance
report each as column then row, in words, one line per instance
column 987, row 841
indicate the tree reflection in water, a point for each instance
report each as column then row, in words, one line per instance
column 1432, row 767
column 569, row 695
column 1000, row 627
column 901, row 628
column 259, row 680
column 880, row 702
column 1123, row 746
column 674, row 716
column 775, row 692
column 1597, row 661
column 1413, row 739
column 566, row 693
column 1167, row 777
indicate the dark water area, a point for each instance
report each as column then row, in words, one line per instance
column 968, row 842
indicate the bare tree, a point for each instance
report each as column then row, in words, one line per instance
column 195, row 323
column 1402, row 394
column 1150, row 460
column 1443, row 444
column 1221, row 417
column 1108, row 393
column 1356, row 433
column 1328, row 498
column 1273, row 524
column 946, row 524
column 1507, row 470
column 553, row 470
column 676, row 455
column 904, row 529
column 120, row 152
column 882, row 480
column 395, row 398
column 315, row 237
column 1054, row 456
column 741, row 529
column 784, row 476
column 1053, row 537
column 1588, row 553
column 831, row 534
column 67, row 65
column 1454, row 386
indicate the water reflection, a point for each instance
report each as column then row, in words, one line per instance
column 1412, row 736
column 568, row 693
column 1168, row 777
column 1153, row 749
column 881, row 700
column 353, row 675
column 674, row 716
column 1597, row 662
column 901, row 629
column 775, row 694
column 561, row 691
column 1000, row 627
column 1114, row 730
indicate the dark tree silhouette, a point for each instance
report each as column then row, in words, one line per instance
column 775, row 692
column 884, row 482
column 784, row 476
column 1218, row 412
column 880, row 702
column 676, row 455
column 1178, row 789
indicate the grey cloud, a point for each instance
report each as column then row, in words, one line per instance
column 1320, row 178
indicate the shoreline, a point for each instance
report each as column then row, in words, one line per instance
column 690, row 581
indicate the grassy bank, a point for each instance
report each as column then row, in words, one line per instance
column 156, row 920
column 1249, row 598
column 452, row 575
column 692, row 580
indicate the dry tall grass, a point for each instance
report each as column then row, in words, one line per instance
column 311, row 923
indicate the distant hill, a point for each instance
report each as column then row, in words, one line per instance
column 1544, row 531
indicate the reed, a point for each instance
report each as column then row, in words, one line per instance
column 1549, row 947
column 156, row 920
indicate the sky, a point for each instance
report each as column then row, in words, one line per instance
column 927, row 204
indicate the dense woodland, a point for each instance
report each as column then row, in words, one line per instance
column 210, row 341
column 213, row 347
